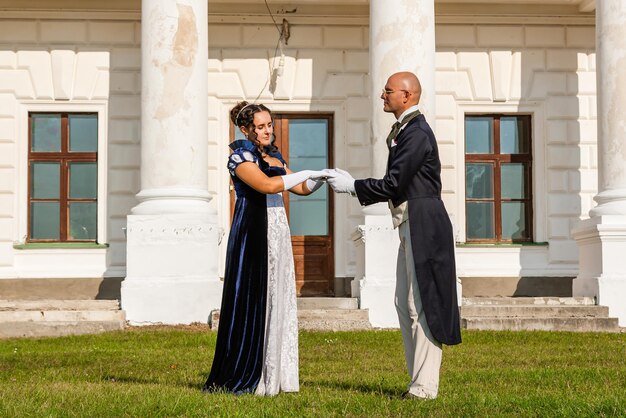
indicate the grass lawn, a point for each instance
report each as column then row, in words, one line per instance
column 158, row 371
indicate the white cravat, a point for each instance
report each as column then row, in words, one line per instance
column 411, row 109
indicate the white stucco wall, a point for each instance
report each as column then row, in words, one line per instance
column 547, row 71
column 325, row 70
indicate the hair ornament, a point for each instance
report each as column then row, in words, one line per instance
column 241, row 110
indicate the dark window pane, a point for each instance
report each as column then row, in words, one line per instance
column 308, row 138
column 45, row 220
column 513, row 220
column 512, row 178
column 308, row 150
column 512, row 134
column 83, row 180
column 478, row 135
column 309, row 215
column 83, row 220
column 46, row 180
column 480, row 220
column 83, row 133
column 46, row 133
column 478, row 181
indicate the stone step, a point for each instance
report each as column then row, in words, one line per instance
column 542, row 324
column 334, row 319
column 55, row 318
column 347, row 314
column 62, row 316
column 534, row 311
column 59, row 305
column 327, row 303
column 321, row 319
column 545, row 301
column 56, row 328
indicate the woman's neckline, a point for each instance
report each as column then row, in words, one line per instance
column 264, row 155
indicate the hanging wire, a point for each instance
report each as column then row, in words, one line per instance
column 280, row 33
column 279, row 45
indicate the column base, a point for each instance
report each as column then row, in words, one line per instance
column 170, row 301
column 377, row 253
column 610, row 203
column 377, row 296
column 602, row 244
column 171, row 269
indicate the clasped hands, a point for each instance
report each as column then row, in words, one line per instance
column 340, row 180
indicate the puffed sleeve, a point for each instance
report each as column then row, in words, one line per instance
column 240, row 155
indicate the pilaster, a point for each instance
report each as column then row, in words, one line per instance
column 172, row 233
column 602, row 238
column 402, row 38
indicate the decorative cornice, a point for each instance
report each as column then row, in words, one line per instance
column 307, row 13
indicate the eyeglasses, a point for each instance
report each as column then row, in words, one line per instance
column 386, row 91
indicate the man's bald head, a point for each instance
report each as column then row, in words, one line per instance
column 402, row 91
column 410, row 83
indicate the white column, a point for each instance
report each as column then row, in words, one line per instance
column 172, row 233
column 602, row 238
column 402, row 38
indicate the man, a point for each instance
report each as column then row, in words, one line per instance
column 425, row 296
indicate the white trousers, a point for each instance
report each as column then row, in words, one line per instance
column 422, row 351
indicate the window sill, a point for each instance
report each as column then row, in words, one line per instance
column 59, row 245
column 501, row 245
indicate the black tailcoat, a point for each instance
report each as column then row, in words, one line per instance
column 414, row 176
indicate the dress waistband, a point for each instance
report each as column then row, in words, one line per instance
column 274, row 200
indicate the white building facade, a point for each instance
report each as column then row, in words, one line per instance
column 153, row 202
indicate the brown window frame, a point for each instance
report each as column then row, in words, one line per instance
column 496, row 158
column 64, row 158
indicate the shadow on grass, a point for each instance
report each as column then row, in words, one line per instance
column 365, row 388
column 144, row 381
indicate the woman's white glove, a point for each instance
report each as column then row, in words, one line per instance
column 292, row 180
column 313, row 185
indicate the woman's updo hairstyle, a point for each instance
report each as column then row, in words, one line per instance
column 243, row 115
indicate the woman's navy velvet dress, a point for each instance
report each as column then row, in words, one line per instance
column 257, row 331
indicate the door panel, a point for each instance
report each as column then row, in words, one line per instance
column 313, row 262
column 309, row 143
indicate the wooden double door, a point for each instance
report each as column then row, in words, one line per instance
column 305, row 141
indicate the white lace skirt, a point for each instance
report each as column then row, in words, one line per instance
column 280, row 363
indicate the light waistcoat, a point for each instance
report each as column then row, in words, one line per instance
column 400, row 214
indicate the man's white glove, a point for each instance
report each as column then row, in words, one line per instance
column 342, row 182
column 292, row 180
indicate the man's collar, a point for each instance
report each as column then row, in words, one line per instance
column 406, row 112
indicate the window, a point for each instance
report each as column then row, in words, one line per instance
column 62, row 177
column 498, row 161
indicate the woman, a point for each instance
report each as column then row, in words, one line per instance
column 257, row 339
